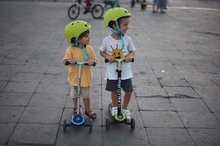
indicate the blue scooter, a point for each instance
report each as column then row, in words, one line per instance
column 78, row 118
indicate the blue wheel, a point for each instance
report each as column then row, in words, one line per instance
column 78, row 119
column 64, row 126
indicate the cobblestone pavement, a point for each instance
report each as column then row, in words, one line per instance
column 176, row 77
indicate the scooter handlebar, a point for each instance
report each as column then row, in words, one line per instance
column 106, row 60
column 79, row 63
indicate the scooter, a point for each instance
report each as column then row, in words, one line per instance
column 78, row 118
column 119, row 117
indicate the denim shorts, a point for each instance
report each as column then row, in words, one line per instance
column 126, row 85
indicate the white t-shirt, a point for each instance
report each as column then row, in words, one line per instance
column 108, row 44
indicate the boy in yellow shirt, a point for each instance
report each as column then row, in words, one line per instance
column 77, row 33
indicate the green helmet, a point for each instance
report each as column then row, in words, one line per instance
column 75, row 29
column 114, row 14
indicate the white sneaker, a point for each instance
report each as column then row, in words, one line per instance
column 114, row 111
column 127, row 113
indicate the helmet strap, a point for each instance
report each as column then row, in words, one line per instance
column 118, row 32
column 85, row 53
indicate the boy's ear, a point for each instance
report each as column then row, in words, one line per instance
column 114, row 26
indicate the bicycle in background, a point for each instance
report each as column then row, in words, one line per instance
column 96, row 10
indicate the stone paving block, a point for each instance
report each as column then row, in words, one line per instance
column 41, row 115
column 96, row 71
column 218, row 116
column 215, row 78
column 161, row 119
column 211, row 97
column 52, row 88
column 39, row 62
column 95, row 101
column 21, row 87
column 149, row 91
column 204, row 137
column 202, row 83
column 80, row 136
column 47, row 100
column 180, row 61
column 208, row 69
column 199, row 120
column 55, row 78
column 10, row 114
column 164, row 71
column 6, row 76
column 3, row 84
column 138, row 80
column 19, row 99
column 14, row 61
column 189, row 105
column 181, row 92
column 172, row 82
column 34, row 134
column 121, row 135
column 39, row 54
column 213, row 92
column 169, row 136
column 69, row 102
column 27, row 77
column 155, row 104
column 58, row 70
column 32, row 68
column 57, row 62
column 202, row 62
column 5, row 131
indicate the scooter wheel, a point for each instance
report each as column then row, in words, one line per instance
column 107, row 124
column 64, row 126
column 132, row 124
column 90, row 125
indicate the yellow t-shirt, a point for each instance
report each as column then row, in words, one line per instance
column 76, row 53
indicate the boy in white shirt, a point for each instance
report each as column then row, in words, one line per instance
column 118, row 45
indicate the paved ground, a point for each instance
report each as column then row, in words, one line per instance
column 176, row 77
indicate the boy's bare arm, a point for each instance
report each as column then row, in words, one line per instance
column 129, row 57
column 107, row 56
column 72, row 61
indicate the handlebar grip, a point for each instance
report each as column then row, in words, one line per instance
column 94, row 64
column 67, row 62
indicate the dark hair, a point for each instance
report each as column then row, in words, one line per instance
column 111, row 23
column 73, row 40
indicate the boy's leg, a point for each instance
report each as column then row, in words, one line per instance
column 74, row 98
column 86, row 102
column 74, row 103
column 114, row 98
column 85, row 91
column 127, row 98
column 88, row 111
